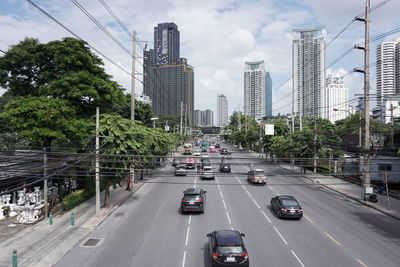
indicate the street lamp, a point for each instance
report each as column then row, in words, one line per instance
column 154, row 121
column 359, row 128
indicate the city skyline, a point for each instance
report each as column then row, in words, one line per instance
column 263, row 31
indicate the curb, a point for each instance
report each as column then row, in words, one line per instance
column 388, row 213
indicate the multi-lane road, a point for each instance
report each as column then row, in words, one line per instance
column 148, row 230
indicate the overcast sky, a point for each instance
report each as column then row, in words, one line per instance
column 217, row 37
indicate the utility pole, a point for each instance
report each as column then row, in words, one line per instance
column 391, row 127
column 45, row 186
column 315, row 143
column 367, row 179
column 97, row 161
column 186, row 119
column 133, row 84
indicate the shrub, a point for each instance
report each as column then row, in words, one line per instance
column 76, row 197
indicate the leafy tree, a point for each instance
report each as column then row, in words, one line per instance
column 42, row 120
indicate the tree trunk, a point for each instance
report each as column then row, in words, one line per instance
column 107, row 195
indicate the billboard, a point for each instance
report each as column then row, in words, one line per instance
column 269, row 129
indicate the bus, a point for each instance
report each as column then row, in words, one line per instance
column 187, row 149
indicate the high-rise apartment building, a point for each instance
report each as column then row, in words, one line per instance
column 197, row 117
column 337, row 98
column 203, row 117
column 385, row 71
column 308, row 58
column 254, row 89
column 268, row 94
column 222, row 111
column 397, row 69
column 168, row 79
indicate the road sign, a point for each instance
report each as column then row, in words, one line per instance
column 269, row 129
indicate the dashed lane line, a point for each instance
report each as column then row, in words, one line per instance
column 297, row 258
column 244, row 187
column 311, row 221
column 265, row 215
column 190, row 219
column 223, row 202
column 280, row 235
column 333, row 239
column 255, row 202
column 361, row 263
column 184, row 259
column 229, row 219
column 187, row 236
column 220, row 192
column 249, row 194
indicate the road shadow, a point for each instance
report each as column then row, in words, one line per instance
column 206, row 255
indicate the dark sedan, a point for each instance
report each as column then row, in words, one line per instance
column 227, row 248
column 286, row 206
column 225, row 167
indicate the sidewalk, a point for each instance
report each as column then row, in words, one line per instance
column 42, row 244
column 389, row 206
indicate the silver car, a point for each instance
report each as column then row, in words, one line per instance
column 207, row 172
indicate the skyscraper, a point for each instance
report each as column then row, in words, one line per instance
column 222, row 110
column 385, row 71
column 397, row 61
column 337, row 98
column 254, row 89
column 207, row 117
column 308, row 72
column 268, row 95
column 168, row 79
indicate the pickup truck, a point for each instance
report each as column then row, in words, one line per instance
column 257, row 176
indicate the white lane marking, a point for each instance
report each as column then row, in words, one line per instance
column 265, row 215
column 311, row 221
column 219, row 187
column 255, row 202
column 244, row 187
column 223, row 202
column 284, row 241
column 362, row 263
column 229, row 219
column 220, row 192
column 249, row 194
column 190, row 218
column 184, row 259
column 187, row 236
column 238, row 179
column 297, row 258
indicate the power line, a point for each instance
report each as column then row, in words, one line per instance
column 78, row 37
column 116, row 18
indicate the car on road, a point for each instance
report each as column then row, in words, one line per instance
column 225, row 167
column 197, row 153
column 176, row 162
column 207, row 172
column 256, row 176
column 190, row 163
column 194, row 199
column 224, row 151
column 227, row 248
column 286, row 206
column 213, row 150
column 180, row 170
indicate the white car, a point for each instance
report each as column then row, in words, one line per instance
column 197, row 154
column 205, row 155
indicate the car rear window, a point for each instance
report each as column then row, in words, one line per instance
column 290, row 203
column 229, row 249
column 191, row 197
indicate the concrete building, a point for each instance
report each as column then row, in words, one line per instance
column 337, row 95
column 222, row 111
column 254, row 89
column 207, row 117
column 385, row 71
column 168, row 79
column 308, row 71
column 268, row 94
column 197, row 117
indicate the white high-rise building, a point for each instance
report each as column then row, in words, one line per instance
column 337, row 95
column 254, row 89
column 385, row 71
column 397, row 68
column 222, row 111
column 309, row 72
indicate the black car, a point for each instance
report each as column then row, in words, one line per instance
column 224, row 151
column 194, row 199
column 227, row 248
column 225, row 167
column 286, row 206
column 176, row 162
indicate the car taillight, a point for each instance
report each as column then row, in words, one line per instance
column 216, row 255
column 183, row 200
column 199, row 200
column 245, row 256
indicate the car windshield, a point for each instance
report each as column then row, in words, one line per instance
column 229, row 249
column 191, row 197
column 290, row 203
column 259, row 173
column 180, row 166
column 207, row 168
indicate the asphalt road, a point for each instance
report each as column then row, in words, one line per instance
column 148, row 230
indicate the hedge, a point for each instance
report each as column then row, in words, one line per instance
column 76, row 197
